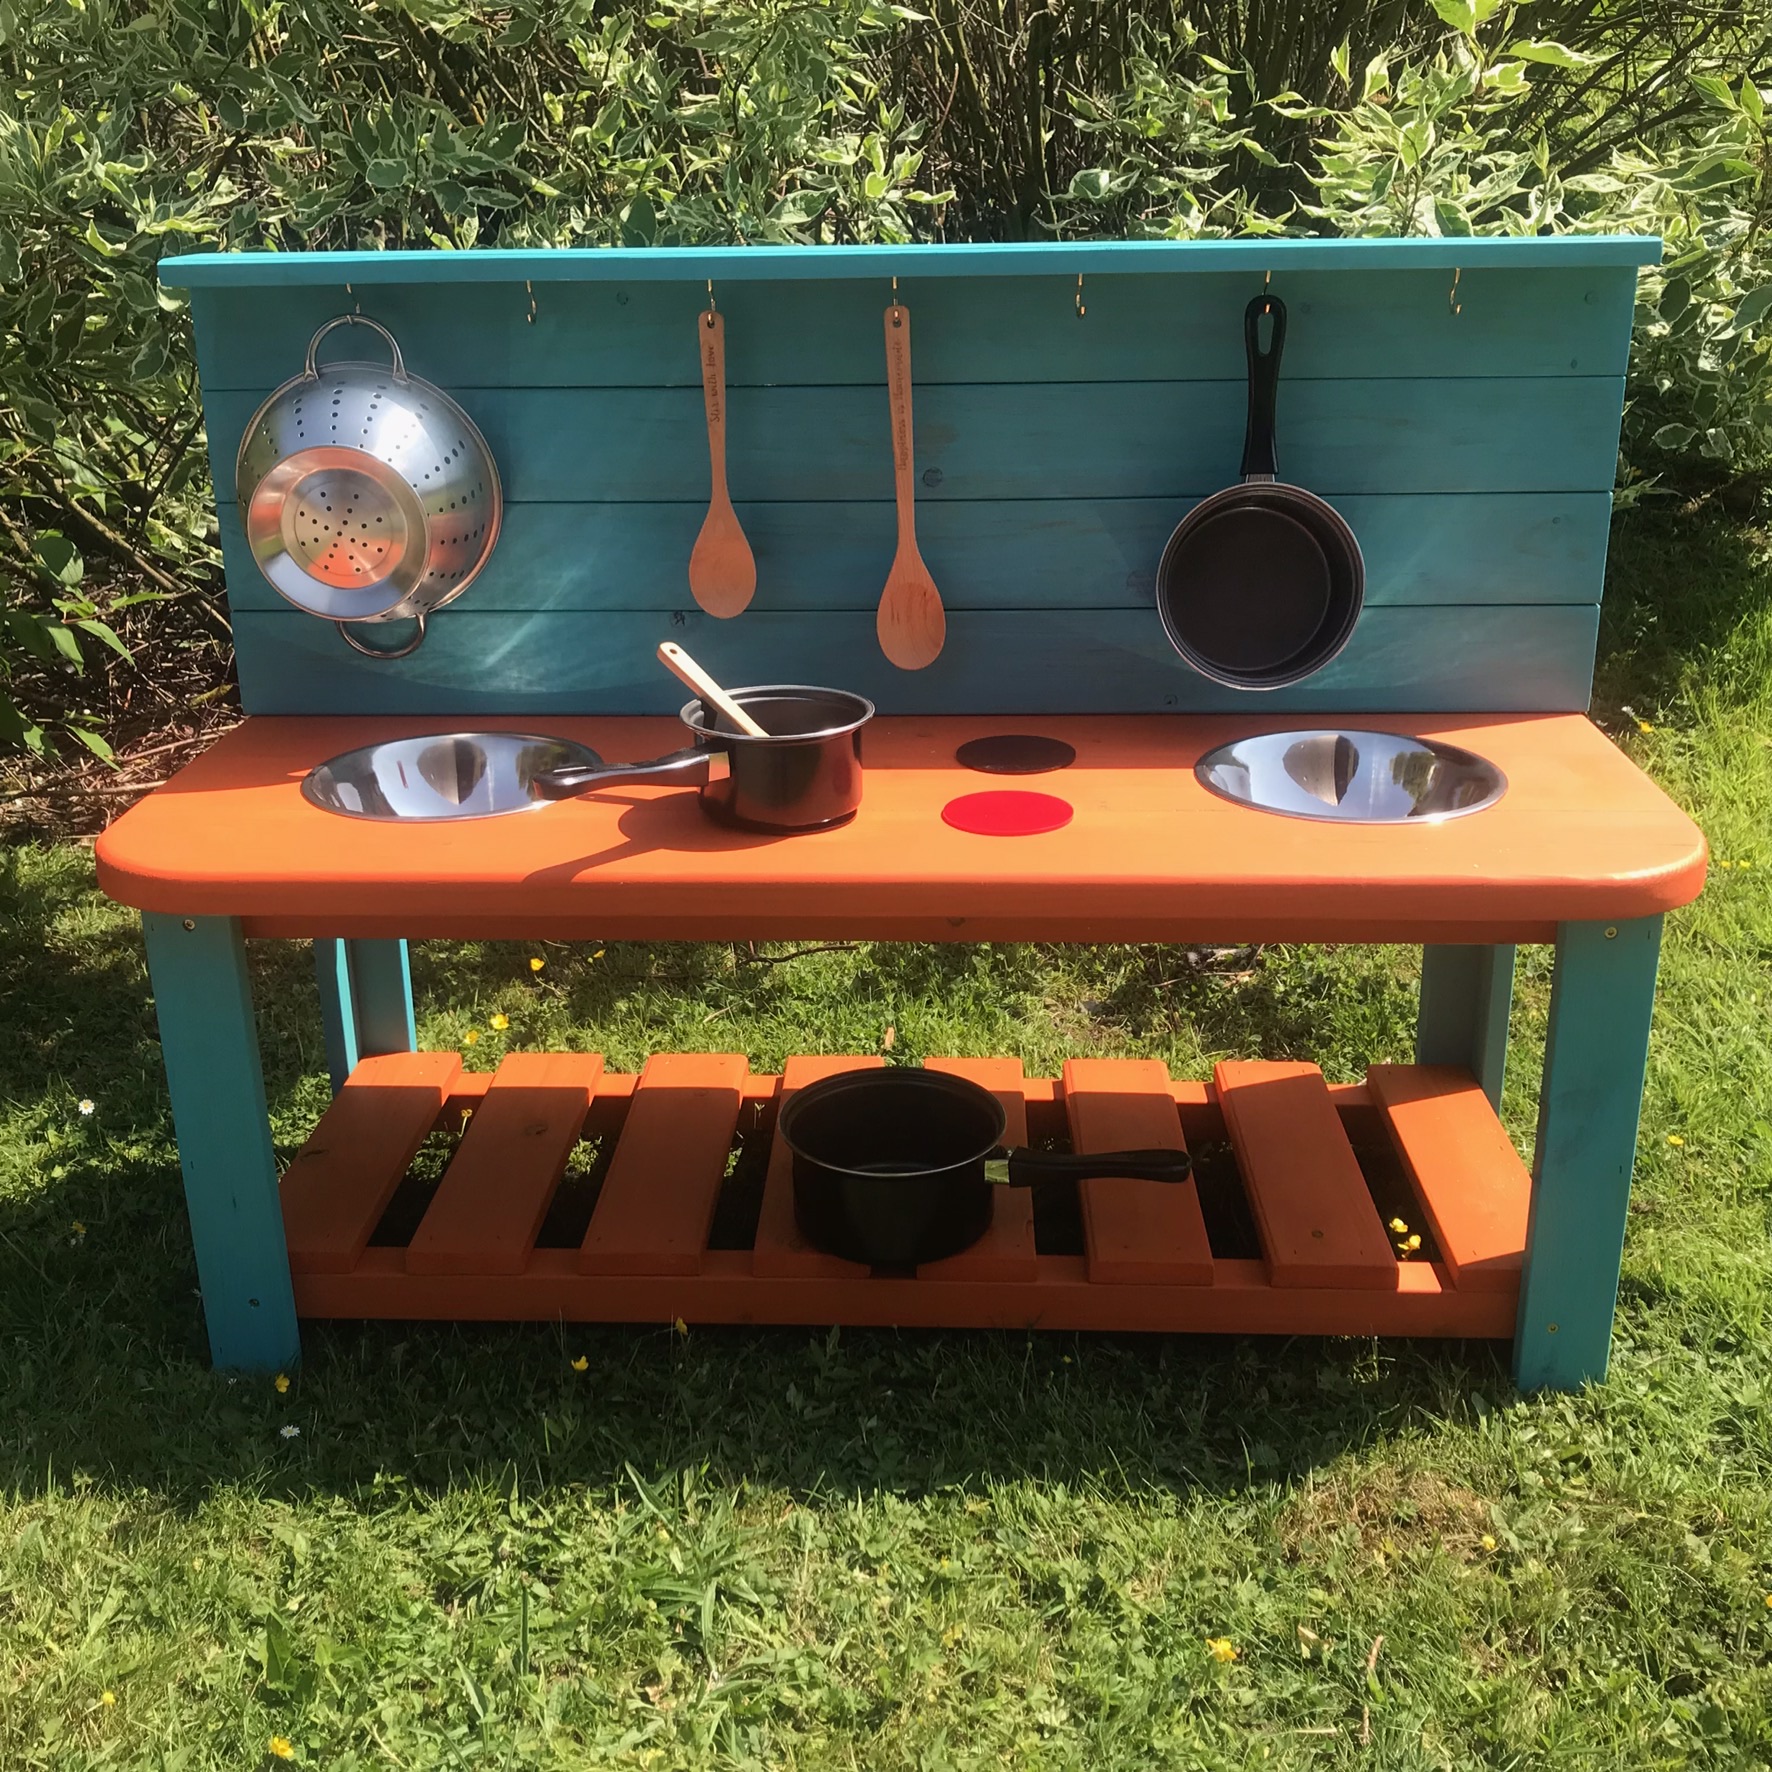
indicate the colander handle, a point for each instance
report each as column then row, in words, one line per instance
column 354, row 320
column 356, row 645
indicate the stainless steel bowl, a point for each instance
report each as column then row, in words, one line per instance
column 367, row 494
column 444, row 775
column 1355, row 777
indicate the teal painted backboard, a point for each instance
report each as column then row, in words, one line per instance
column 1471, row 443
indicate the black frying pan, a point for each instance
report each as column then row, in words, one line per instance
column 890, row 1166
column 1261, row 584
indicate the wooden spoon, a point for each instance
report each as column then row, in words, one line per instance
column 722, row 570
column 681, row 665
column 910, row 623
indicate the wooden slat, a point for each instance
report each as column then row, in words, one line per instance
column 780, row 1252
column 1317, row 1221
column 1472, row 1184
column 495, row 1193
column 341, row 1180
column 1135, row 1231
column 870, row 264
column 1500, row 660
column 662, row 1185
column 1144, row 439
column 1006, row 1250
column 1239, row 1302
column 1058, row 553
column 1552, row 321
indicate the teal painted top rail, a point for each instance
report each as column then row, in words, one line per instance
column 241, row 270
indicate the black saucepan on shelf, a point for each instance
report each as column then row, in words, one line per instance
column 1261, row 584
column 894, row 1167
column 804, row 775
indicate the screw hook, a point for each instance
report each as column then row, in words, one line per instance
column 1267, row 279
column 356, row 306
column 708, row 317
column 1081, row 310
column 529, row 290
column 1454, row 306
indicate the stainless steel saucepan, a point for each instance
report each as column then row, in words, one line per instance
column 367, row 494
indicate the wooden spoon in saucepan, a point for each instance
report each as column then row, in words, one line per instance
column 722, row 570
column 911, row 624
column 682, row 666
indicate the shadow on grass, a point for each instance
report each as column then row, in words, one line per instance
column 1679, row 584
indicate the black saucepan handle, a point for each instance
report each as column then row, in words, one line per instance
column 1027, row 1167
column 1264, row 386
column 691, row 768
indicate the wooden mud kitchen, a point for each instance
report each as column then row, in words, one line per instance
column 1091, row 680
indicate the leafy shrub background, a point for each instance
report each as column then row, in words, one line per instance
column 129, row 128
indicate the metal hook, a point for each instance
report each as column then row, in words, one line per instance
column 356, row 306
column 708, row 317
column 1081, row 310
column 529, row 289
column 1453, row 304
column 1267, row 278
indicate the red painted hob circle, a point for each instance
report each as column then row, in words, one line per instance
column 1007, row 812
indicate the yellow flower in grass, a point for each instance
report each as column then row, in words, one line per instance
column 680, row 1326
column 471, row 1037
column 1488, row 1541
column 1676, row 1140
column 581, row 1364
column 282, row 1383
column 1769, row 1600
column 1414, row 1242
column 1221, row 1649
column 536, row 964
column 1401, row 1229
column 498, row 1023
column 280, row 1747
column 107, row 1699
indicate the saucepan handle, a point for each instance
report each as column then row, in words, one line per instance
column 1026, row 1167
column 691, row 768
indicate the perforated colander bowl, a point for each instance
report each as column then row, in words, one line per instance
column 368, row 495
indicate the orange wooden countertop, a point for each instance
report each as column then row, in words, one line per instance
column 1581, row 834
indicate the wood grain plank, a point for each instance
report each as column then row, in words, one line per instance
column 962, row 259
column 495, row 1193
column 1317, row 1221
column 339, row 1183
column 1550, row 321
column 1006, row 1250
column 780, row 1252
column 1137, row 1232
column 1470, row 1179
column 1057, row 553
column 1143, row 439
column 1528, row 660
column 662, row 1185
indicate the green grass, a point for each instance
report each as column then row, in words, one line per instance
column 883, row 1551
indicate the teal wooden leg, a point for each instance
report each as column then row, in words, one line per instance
column 210, row 1045
column 1602, row 996
column 1466, row 993
column 365, row 1002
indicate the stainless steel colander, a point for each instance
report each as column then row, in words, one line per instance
column 368, row 495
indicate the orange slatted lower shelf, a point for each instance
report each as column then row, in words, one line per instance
column 672, row 1201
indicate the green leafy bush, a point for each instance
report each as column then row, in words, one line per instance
column 129, row 128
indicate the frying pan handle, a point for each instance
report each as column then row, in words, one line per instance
column 691, row 768
column 1026, row 1167
column 1264, row 386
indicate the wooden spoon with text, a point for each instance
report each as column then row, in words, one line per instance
column 722, row 570
column 911, row 624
